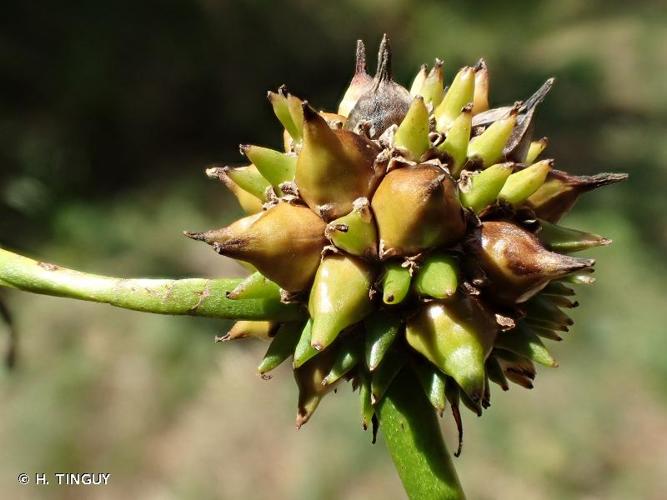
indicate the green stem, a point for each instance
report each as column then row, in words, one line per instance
column 407, row 420
column 411, row 431
column 193, row 297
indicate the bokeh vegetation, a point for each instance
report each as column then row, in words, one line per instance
column 108, row 113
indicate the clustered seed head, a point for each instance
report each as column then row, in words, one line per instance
column 418, row 228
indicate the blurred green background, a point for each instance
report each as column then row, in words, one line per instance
column 109, row 112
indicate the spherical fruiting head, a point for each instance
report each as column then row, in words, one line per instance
column 417, row 231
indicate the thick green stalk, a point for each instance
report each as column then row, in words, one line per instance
column 411, row 431
column 193, row 297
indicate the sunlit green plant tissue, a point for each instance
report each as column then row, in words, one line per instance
column 408, row 243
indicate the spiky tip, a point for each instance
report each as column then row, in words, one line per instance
column 309, row 112
column 539, row 95
column 383, row 73
column 217, row 172
column 603, row 179
column 195, row 236
column 481, row 65
column 360, row 59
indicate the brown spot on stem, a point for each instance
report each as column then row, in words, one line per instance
column 48, row 267
column 203, row 295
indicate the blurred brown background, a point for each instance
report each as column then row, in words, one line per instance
column 108, row 113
